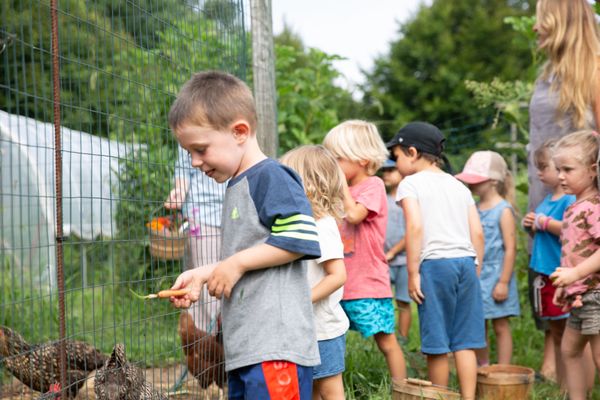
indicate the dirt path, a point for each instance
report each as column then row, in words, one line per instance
column 163, row 379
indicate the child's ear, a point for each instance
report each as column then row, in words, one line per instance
column 240, row 130
column 363, row 163
column 413, row 152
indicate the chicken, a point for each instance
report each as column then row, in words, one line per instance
column 204, row 353
column 119, row 379
column 37, row 366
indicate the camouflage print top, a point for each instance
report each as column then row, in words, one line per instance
column 580, row 238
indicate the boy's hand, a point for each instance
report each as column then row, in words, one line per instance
column 500, row 292
column 193, row 280
column 223, row 279
column 414, row 289
column 564, row 276
column 389, row 256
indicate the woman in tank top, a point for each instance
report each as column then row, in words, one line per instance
column 566, row 96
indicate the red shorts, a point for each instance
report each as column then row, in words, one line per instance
column 543, row 293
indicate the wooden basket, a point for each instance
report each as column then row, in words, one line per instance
column 417, row 389
column 166, row 245
column 504, row 381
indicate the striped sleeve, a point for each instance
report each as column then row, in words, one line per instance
column 284, row 210
column 298, row 226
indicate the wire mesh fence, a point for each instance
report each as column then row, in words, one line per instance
column 121, row 65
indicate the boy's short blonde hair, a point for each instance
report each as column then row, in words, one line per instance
column 215, row 99
column 357, row 140
column 322, row 178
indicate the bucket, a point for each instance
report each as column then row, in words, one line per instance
column 167, row 245
column 417, row 389
column 504, row 381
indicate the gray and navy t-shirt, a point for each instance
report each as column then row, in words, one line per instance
column 269, row 314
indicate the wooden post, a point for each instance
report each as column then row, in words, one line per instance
column 263, row 69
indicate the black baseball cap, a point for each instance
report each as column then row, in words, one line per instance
column 423, row 136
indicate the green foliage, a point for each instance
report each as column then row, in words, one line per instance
column 508, row 98
column 450, row 41
column 309, row 103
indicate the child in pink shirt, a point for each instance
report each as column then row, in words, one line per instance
column 576, row 157
column 367, row 292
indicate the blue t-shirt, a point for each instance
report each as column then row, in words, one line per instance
column 269, row 315
column 545, row 254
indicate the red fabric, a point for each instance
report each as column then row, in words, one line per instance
column 547, row 308
column 281, row 378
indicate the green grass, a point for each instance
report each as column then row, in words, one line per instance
column 367, row 377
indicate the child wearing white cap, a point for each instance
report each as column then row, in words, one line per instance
column 488, row 177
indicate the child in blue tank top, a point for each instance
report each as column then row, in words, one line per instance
column 488, row 177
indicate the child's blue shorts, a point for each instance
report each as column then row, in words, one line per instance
column 370, row 316
column 451, row 315
column 399, row 278
column 270, row 380
column 332, row 352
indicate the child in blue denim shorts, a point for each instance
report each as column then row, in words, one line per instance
column 444, row 238
column 322, row 180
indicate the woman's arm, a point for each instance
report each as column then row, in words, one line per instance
column 335, row 277
column 508, row 228
column 596, row 103
column 476, row 236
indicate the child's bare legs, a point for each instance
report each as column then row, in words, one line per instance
column 483, row 354
column 504, row 340
column 557, row 327
column 588, row 365
column 466, row 367
column 404, row 318
column 573, row 343
column 392, row 352
column 438, row 369
column 329, row 388
column 548, row 368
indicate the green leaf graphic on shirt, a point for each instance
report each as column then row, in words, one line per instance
column 235, row 214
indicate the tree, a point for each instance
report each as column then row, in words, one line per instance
column 444, row 45
column 309, row 103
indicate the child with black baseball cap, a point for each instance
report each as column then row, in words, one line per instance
column 444, row 238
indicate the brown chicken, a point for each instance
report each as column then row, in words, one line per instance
column 37, row 366
column 204, row 353
column 119, row 379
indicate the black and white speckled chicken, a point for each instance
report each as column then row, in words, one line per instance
column 118, row 379
column 37, row 366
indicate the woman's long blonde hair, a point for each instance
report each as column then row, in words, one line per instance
column 321, row 176
column 572, row 44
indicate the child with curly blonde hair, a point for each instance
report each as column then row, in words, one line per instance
column 323, row 184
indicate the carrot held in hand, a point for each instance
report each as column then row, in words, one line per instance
column 163, row 294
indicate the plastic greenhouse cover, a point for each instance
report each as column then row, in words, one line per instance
column 27, row 181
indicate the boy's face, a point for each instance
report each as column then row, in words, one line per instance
column 350, row 168
column 217, row 153
column 404, row 163
column 391, row 177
